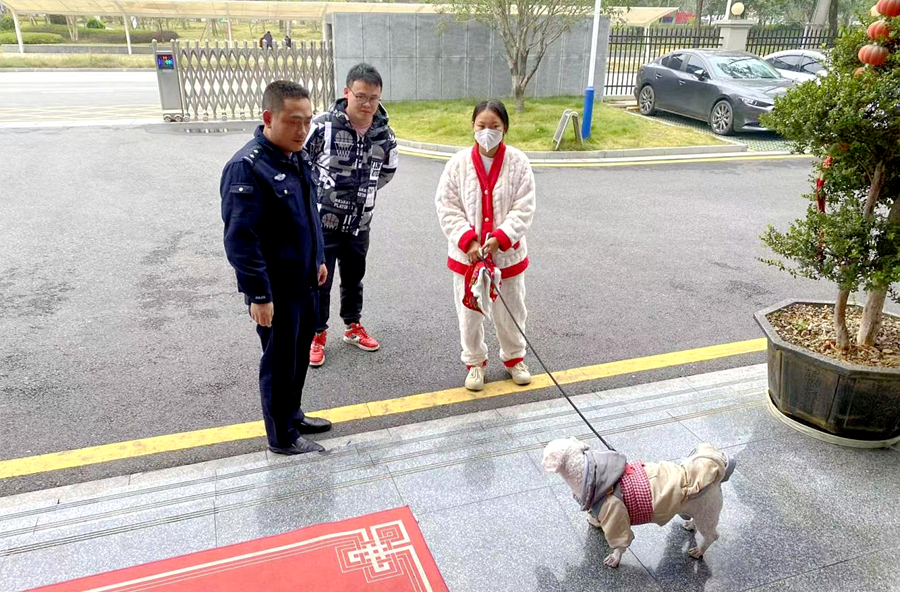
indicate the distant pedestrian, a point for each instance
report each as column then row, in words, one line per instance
column 267, row 40
column 287, row 41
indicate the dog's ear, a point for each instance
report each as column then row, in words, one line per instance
column 554, row 454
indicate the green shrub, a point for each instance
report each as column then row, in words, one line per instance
column 94, row 23
column 56, row 19
column 31, row 38
column 7, row 23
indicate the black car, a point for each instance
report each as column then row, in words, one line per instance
column 727, row 89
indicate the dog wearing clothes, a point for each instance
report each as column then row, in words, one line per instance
column 617, row 494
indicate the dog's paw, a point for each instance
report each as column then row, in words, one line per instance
column 612, row 560
column 696, row 552
column 593, row 521
column 688, row 524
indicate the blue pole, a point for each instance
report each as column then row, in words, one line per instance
column 588, row 112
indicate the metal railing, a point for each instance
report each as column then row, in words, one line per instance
column 632, row 47
column 765, row 41
column 227, row 82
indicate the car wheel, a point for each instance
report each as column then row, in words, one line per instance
column 721, row 119
column 647, row 100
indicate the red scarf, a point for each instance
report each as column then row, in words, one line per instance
column 487, row 182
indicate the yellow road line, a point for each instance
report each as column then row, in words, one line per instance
column 135, row 448
column 661, row 160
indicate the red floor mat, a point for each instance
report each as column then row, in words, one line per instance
column 382, row 552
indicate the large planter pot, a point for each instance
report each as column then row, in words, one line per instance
column 829, row 399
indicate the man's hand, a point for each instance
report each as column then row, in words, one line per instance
column 491, row 246
column 323, row 274
column 262, row 313
column 473, row 252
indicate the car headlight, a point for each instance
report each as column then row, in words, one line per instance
column 755, row 102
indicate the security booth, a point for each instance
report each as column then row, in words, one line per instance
column 169, row 83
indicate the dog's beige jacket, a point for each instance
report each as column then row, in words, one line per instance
column 670, row 485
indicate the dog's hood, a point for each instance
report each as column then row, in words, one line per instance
column 602, row 470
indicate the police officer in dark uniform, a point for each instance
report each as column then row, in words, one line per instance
column 273, row 239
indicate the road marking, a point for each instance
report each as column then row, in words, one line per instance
column 634, row 162
column 185, row 440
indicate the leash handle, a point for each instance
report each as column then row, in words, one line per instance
column 544, row 366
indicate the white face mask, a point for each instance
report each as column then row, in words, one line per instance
column 488, row 138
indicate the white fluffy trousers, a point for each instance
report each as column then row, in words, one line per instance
column 471, row 323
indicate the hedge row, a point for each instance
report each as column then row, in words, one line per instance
column 31, row 38
column 107, row 36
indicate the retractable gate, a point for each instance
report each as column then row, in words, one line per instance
column 227, row 82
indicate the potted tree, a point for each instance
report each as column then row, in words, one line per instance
column 834, row 368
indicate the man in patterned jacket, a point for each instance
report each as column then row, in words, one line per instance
column 353, row 152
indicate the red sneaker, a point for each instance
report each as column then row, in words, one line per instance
column 356, row 335
column 317, row 350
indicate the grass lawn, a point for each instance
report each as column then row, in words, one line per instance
column 449, row 122
column 53, row 60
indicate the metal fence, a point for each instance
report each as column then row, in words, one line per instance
column 227, row 82
column 765, row 41
column 632, row 47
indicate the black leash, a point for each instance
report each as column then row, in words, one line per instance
column 544, row 366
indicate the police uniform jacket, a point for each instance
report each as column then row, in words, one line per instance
column 273, row 234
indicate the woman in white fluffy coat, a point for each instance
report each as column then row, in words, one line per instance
column 485, row 204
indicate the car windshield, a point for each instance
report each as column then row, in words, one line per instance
column 742, row 67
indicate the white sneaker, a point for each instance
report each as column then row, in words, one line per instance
column 475, row 379
column 520, row 374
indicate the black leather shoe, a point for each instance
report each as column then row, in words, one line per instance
column 313, row 425
column 301, row 446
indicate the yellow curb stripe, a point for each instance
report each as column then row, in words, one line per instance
column 146, row 446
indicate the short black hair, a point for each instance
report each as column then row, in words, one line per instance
column 278, row 91
column 497, row 107
column 366, row 73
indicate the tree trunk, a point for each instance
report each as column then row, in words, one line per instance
column 833, row 19
column 72, row 24
column 519, row 93
column 870, row 324
column 840, row 321
column 699, row 23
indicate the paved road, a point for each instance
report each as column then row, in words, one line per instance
column 121, row 320
column 54, row 96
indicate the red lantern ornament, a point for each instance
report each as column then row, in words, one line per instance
column 879, row 31
column 874, row 55
column 888, row 8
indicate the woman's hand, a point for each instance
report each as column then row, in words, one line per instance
column 473, row 252
column 491, row 246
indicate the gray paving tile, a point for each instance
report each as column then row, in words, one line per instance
column 541, row 408
column 468, row 482
column 664, row 388
column 755, row 372
column 737, row 427
column 194, row 471
column 91, row 489
column 570, row 424
column 15, row 531
column 341, row 442
column 469, row 421
column 661, row 442
column 428, row 450
column 293, row 485
column 529, row 544
column 853, row 489
column 97, row 555
column 874, row 571
column 131, row 508
column 761, row 541
column 283, row 515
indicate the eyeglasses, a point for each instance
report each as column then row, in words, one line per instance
column 363, row 99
